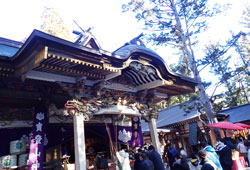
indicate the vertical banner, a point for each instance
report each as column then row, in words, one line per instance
column 137, row 138
column 193, row 133
column 36, row 153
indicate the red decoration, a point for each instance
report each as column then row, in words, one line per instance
column 225, row 125
column 243, row 125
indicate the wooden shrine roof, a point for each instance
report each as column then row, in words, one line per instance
column 236, row 114
column 175, row 115
column 131, row 68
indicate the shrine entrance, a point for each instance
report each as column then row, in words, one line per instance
column 86, row 84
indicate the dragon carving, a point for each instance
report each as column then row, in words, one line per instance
column 143, row 102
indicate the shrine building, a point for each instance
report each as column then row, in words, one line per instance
column 72, row 100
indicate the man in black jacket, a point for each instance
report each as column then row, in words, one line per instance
column 225, row 154
column 155, row 157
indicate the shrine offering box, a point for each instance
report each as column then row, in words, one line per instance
column 17, row 147
column 8, row 161
column 22, row 160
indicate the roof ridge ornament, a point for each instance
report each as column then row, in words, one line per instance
column 137, row 41
column 85, row 37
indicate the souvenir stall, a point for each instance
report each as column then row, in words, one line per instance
column 64, row 95
column 231, row 132
column 181, row 125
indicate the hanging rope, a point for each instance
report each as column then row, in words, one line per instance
column 116, row 137
column 112, row 149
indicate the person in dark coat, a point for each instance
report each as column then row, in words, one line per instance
column 225, row 154
column 229, row 142
column 142, row 162
column 206, row 164
column 146, row 163
column 171, row 154
column 155, row 157
column 101, row 161
column 138, row 162
column 180, row 164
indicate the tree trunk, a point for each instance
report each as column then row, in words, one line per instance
column 203, row 96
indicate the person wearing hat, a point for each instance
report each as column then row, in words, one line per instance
column 206, row 164
column 212, row 155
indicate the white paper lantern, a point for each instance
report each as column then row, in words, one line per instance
column 17, row 147
column 8, row 161
column 22, row 160
column 1, row 165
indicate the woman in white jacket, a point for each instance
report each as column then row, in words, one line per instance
column 123, row 158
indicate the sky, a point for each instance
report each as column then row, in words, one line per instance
column 111, row 27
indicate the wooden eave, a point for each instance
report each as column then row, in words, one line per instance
column 175, row 89
column 174, row 125
column 14, row 90
column 184, row 122
column 70, row 66
column 46, row 53
column 6, row 70
column 52, row 56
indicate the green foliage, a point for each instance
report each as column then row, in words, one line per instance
column 174, row 23
column 234, row 77
column 174, row 100
column 159, row 16
column 246, row 39
column 181, row 68
column 53, row 24
column 177, row 24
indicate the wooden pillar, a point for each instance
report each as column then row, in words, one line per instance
column 222, row 133
column 213, row 137
column 154, row 134
column 79, row 142
column 183, row 143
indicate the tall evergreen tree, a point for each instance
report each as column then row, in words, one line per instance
column 231, row 70
column 177, row 23
column 246, row 40
column 52, row 23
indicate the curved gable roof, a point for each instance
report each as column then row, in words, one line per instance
column 128, row 50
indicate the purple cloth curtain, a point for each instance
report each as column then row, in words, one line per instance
column 131, row 135
column 137, row 137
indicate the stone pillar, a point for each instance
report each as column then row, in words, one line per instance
column 154, row 134
column 77, row 110
column 79, row 142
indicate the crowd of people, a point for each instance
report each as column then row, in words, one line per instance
column 145, row 158
column 227, row 154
